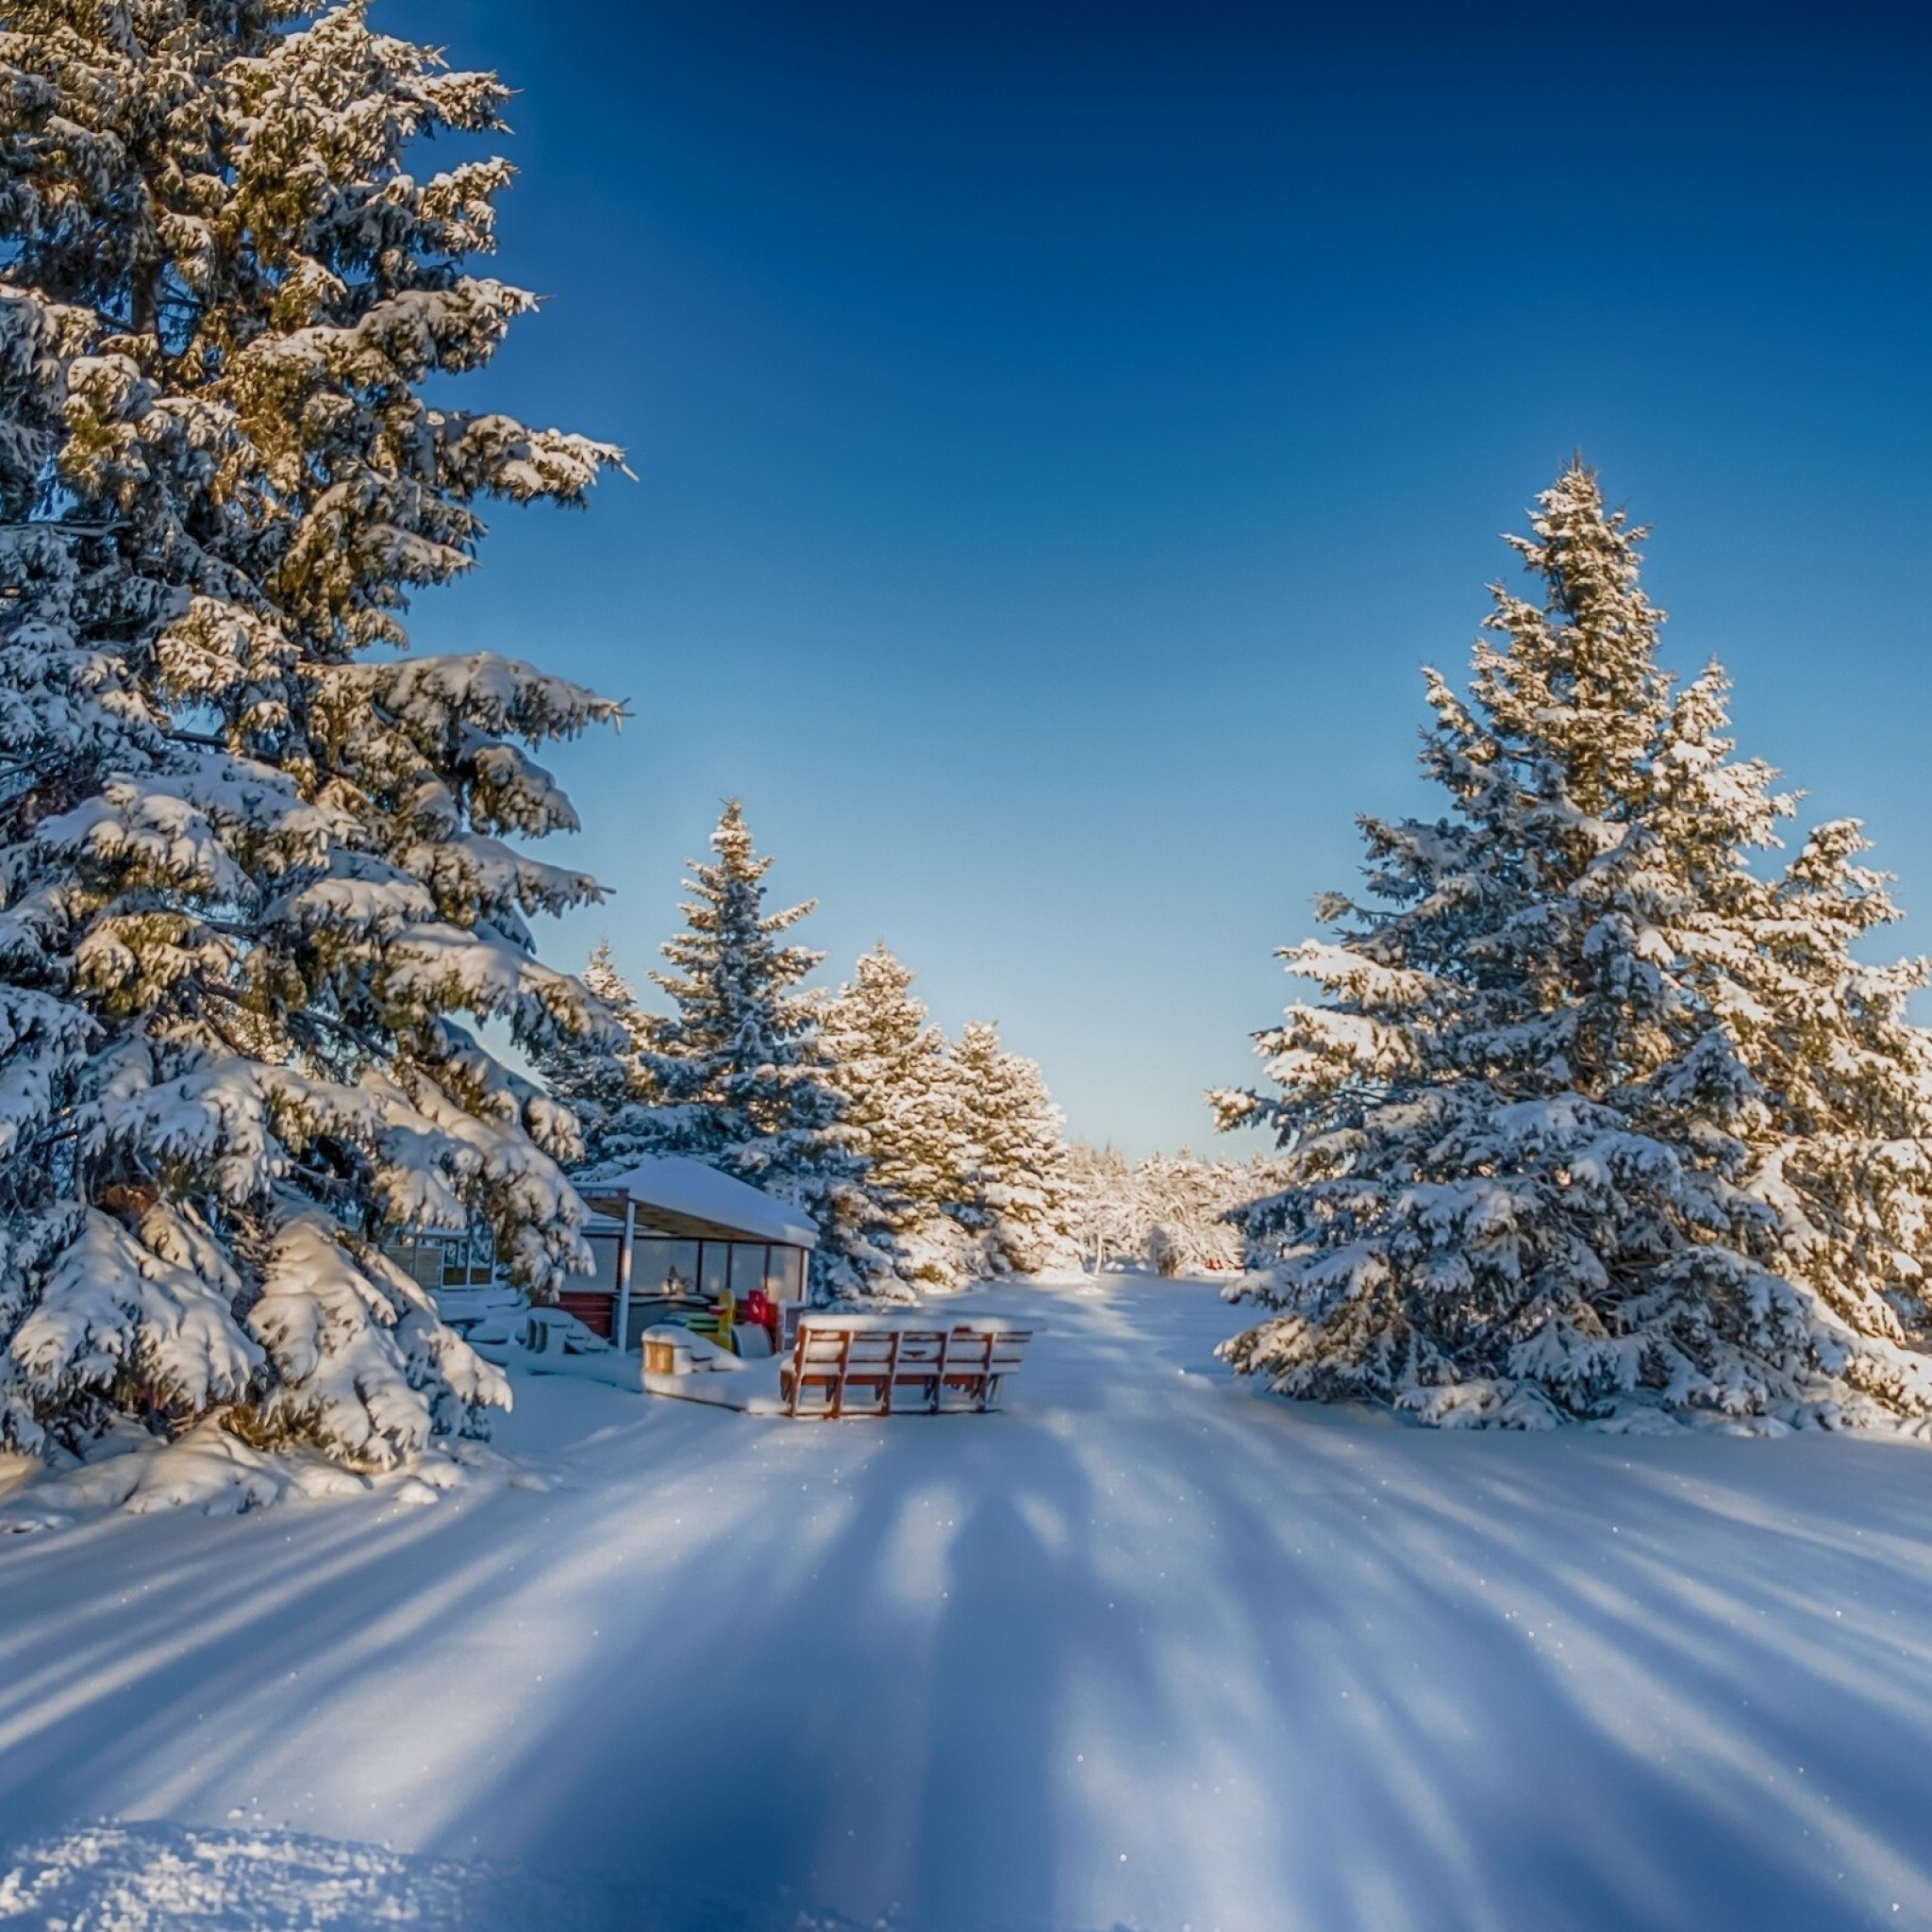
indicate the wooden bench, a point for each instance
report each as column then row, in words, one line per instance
column 848, row 1365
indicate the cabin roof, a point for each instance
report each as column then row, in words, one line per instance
column 685, row 1198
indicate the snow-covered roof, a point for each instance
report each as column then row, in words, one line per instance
column 685, row 1197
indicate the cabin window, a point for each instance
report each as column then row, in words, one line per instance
column 785, row 1274
column 602, row 1278
column 436, row 1260
column 664, row 1267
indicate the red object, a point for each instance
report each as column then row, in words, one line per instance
column 596, row 1309
column 759, row 1310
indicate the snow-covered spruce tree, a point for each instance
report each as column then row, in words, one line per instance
column 251, row 876
column 1591, row 1122
column 905, row 1113
column 599, row 1073
column 1840, row 1128
column 743, row 1076
column 1013, row 1197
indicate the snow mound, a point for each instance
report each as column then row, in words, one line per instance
column 186, row 1878
column 209, row 1470
column 145, row 1879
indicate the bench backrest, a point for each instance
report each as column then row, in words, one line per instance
column 964, row 1361
column 869, row 1348
column 820, row 1348
column 974, row 1337
column 968, row 1350
column 920, row 1348
column 1008, row 1346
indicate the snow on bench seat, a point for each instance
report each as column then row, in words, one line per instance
column 843, row 1367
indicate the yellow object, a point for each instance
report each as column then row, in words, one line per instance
column 718, row 1321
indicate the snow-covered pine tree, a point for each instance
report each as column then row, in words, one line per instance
column 906, row 1112
column 599, row 1073
column 253, row 879
column 743, row 1076
column 1839, row 1127
column 1591, row 1122
column 1013, row 1200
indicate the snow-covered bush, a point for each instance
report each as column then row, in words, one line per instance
column 1590, row 1120
column 255, row 879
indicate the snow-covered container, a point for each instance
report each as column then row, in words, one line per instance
column 667, row 1350
column 557, row 1332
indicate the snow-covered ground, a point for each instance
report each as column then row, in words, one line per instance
column 1146, row 1651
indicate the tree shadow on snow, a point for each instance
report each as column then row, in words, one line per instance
column 1175, row 1658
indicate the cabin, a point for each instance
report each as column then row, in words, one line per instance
column 667, row 1235
column 670, row 1230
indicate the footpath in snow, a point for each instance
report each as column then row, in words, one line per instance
column 1146, row 1651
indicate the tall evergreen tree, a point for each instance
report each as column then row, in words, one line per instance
column 741, row 1073
column 598, row 1074
column 904, row 1110
column 254, row 881
column 1591, row 1122
column 1840, row 1121
column 1014, row 1197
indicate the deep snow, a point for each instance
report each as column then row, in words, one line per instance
column 1145, row 1650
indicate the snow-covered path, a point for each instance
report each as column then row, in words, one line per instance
column 1147, row 1651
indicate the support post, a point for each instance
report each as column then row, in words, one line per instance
column 620, row 1328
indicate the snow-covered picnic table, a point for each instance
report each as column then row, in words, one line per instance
column 905, row 1362
column 919, row 1364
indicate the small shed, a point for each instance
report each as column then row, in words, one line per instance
column 671, row 1228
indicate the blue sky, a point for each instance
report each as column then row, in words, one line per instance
column 1062, row 430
